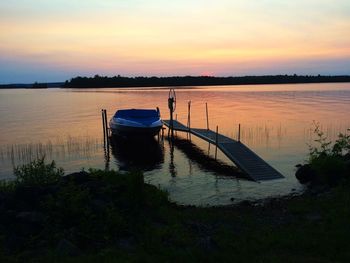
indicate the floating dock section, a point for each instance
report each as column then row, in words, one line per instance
column 244, row 158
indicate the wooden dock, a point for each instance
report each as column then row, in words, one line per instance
column 244, row 158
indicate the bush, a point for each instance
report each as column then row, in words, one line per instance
column 325, row 148
column 37, row 173
column 328, row 162
column 7, row 186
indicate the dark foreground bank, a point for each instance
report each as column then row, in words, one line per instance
column 112, row 217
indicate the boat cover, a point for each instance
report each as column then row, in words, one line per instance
column 143, row 116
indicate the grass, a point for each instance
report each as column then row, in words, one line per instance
column 22, row 153
column 110, row 217
column 284, row 234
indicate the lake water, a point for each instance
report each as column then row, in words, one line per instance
column 276, row 122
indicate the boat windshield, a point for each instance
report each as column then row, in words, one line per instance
column 137, row 114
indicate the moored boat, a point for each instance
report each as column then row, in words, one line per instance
column 136, row 122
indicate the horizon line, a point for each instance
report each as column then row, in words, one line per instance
column 178, row 76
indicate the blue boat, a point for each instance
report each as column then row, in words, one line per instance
column 136, row 122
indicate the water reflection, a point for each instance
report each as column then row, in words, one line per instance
column 276, row 122
column 172, row 166
column 202, row 159
column 144, row 154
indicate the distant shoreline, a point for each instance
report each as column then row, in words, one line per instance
column 42, row 85
column 147, row 82
column 127, row 82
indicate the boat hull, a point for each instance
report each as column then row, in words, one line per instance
column 123, row 130
column 136, row 122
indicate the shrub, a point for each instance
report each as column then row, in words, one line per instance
column 7, row 186
column 328, row 162
column 325, row 148
column 38, row 173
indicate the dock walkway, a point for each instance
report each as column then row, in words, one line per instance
column 244, row 158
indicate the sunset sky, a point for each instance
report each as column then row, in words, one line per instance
column 55, row 40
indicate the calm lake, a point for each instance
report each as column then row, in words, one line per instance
column 277, row 122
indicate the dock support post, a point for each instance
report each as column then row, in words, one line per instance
column 104, row 127
column 189, row 121
column 239, row 132
column 172, row 106
column 206, row 111
column 216, row 141
column 171, row 125
column 105, row 138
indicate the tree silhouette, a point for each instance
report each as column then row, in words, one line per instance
column 120, row 81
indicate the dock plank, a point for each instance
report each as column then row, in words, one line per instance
column 177, row 125
column 244, row 158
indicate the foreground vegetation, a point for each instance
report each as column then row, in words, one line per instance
column 328, row 163
column 111, row 217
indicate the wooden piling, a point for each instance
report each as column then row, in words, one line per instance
column 239, row 132
column 216, row 141
column 103, row 126
column 176, row 120
column 189, row 120
column 105, row 138
column 171, row 125
column 206, row 111
column 106, row 125
column 172, row 106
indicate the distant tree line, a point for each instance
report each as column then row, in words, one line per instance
column 37, row 85
column 120, row 81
